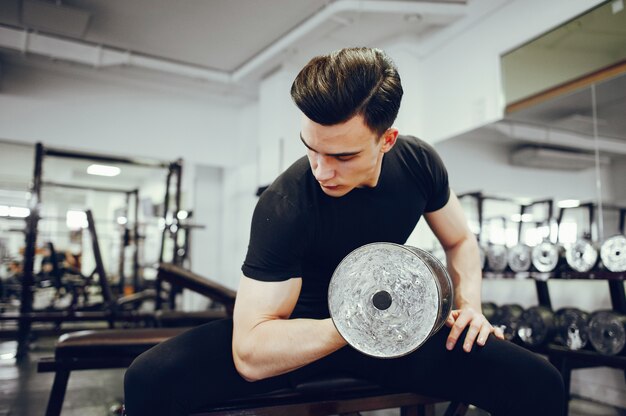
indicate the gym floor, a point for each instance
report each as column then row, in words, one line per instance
column 24, row 392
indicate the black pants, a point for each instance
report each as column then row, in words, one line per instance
column 196, row 369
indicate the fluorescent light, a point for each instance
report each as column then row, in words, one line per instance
column 19, row 212
column 4, row 211
column 75, row 220
column 103, row 170
column 568, row 203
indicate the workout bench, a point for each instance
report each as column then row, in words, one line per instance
column 331, row 396
column 88, row 350
column 117, row 348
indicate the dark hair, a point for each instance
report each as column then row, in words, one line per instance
column 333, row 88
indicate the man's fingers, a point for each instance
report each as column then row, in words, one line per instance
column 484, row 333
column 472, row 333
column 497, row 331
column 459, row 325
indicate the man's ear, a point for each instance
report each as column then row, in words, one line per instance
column 389, row 139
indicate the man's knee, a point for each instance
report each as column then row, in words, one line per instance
column 146, row 387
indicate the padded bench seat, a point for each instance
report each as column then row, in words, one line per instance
column 89, row 350
column 330, row 396
column 188, row 319
column 118, row 348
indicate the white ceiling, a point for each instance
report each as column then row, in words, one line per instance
column 224, row 36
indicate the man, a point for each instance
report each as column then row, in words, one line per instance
column 360, row 183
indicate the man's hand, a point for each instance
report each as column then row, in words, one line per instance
column 478, row 327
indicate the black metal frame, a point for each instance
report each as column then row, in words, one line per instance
column 134, row 193
column 32, row 221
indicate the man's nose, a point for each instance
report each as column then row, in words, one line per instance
column 323, row 169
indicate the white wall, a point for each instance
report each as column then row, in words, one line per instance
column 460, row 67
column 81, row 108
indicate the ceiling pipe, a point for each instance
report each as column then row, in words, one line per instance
column 332, row 10
column 556, row 137
column 99, row 56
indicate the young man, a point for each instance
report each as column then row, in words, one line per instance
column 360, row 183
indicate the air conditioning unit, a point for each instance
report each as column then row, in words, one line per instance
column 552, row 158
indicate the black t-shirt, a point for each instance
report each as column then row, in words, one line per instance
column 299, row 231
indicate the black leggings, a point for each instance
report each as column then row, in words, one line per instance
column 196, row 369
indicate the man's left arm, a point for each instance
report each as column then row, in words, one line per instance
column 450, row 227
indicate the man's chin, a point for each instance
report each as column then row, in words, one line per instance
column 335, row 191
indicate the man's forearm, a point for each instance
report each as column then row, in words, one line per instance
column 279, row 346
column 464, row 267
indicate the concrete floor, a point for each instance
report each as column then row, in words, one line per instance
column 24, row 392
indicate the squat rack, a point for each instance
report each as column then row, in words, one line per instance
column 41, row 152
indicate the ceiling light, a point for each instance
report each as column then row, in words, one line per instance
column 103, row 170
column 4, row 211
column 122, row 220
column 19, row 212
column 568, row 203
column 75, row 220
column 182, row 215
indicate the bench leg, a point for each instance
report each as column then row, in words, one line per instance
column 418, row 410
column 456, row 409
column 55, row 402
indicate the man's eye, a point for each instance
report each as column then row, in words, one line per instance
column 345, row 158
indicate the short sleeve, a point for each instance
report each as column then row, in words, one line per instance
column 277, row 237
column 440, row 192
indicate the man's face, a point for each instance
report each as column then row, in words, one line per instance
column 345, row 156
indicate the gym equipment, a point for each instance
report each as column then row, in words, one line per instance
column 518, row 258
column 613, row 253
column 387, row 299
column 497, row 258
column 581, row 256
column 571, row 328
column 489, row 310
column 607, row 332
column 545, row 257
column 536, row 326
column 27, row 281
column 115, row 348
column 508, row 317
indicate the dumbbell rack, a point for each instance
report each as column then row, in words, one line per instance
column 566, row 360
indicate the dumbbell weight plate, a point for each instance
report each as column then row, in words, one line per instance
column 572, row 328
column 519, row 258
column 607, row 332
column 507, row 317
column 536, row 326
column 496, row 258
column 581, row 256
column 613, row 253
column 386, row 299
column 545, row 257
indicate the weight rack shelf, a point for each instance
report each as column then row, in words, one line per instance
column 581, row 358
column 565, row 275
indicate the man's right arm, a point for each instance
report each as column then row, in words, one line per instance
column 266, row 342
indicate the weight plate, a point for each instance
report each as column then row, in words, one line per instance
column 545, row 257
column 613, row 253
column 519, row 258
column 386, row 299
column 581, row 256
column 607, row 332
column 496, row 257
